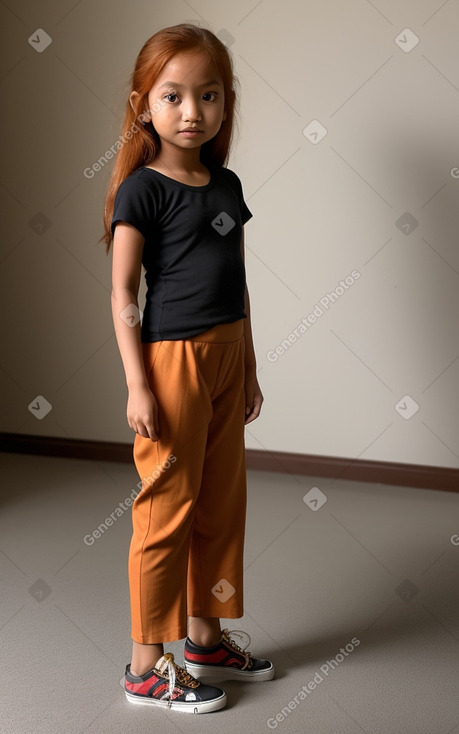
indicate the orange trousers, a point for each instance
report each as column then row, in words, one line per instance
column 186, row 551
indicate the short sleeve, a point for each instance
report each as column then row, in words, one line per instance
column 134, row 204
column 246, row 214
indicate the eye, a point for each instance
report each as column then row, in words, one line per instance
column 168, row 97
column 209, row 94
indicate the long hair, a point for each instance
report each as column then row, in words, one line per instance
column 139, row 141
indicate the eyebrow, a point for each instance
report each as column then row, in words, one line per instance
column 176, row 86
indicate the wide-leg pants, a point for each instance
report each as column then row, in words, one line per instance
column 186, row 550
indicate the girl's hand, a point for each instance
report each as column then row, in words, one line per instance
column 253, row 397
column 142, row 412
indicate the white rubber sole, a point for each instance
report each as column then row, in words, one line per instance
column 191, row 707
column 214, row 673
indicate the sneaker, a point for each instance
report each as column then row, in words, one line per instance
column 225, row 661
column 170, row 686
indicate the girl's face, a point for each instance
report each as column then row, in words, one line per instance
column 188, row 95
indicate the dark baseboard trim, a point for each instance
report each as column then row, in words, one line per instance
column 74, row 448
column 379, row 472
column 419, row 476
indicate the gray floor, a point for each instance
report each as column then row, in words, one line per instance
column 373, row 571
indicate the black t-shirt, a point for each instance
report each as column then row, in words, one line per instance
column 195, row 273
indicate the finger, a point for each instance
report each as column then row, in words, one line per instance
column 151, row 431
column 249, row 415
column 156, row 420
column 140, row 429
column 254, row 410
column 153, row 426
column 258, row 402
column 153, row 434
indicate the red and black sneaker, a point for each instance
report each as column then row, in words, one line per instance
column 170, row 686
column 225, row 661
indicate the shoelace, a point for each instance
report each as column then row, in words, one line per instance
column 170, row 669
column 226, row 636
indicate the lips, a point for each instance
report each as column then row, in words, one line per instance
column 191, row 130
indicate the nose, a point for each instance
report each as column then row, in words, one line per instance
column 190, row 109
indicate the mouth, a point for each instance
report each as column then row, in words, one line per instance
column 190, row 131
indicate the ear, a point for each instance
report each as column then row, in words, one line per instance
column 132, row 99
column 224, row 116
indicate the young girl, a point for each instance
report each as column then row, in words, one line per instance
column 190, row 367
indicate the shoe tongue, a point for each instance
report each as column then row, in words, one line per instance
column 161, row 665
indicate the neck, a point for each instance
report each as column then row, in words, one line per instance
column 178, row 159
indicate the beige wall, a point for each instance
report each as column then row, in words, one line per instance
column 322, row 209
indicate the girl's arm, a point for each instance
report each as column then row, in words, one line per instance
column 142, row 411
column 253, row 394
